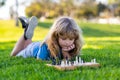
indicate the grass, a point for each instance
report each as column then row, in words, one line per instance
column 102, row 41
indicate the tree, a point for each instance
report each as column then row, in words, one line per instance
column 101, row 7
column 88, row 9
column 39, row 8
column 2, row 2
column 51, row 9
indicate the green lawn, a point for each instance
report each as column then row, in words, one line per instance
column 102, row 41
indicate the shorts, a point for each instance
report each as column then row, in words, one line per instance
column 29, row 50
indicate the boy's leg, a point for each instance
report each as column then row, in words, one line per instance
column 25, row 39
column 20, row 45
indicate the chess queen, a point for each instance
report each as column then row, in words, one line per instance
column 63, row 40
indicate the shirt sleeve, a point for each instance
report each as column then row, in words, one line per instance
column 43, row 53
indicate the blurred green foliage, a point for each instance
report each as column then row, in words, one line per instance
column 87, row 9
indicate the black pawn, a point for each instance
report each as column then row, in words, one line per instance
column 53, row 61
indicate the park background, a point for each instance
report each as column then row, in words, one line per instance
column 99, row 20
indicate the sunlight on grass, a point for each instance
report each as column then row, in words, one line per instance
column 102, row 38
column 11, row 36
column 92, row 46
column 13, row 33
column 101, row 42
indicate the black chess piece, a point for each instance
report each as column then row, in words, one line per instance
column 58, row 61
column 53, row 61
column 67, row 60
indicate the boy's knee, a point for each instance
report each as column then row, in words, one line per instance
column 12, row 54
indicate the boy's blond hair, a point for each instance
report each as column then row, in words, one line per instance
column 64, row 27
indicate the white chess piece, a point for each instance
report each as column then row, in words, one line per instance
column 94, row 60
column 62, row 64
column 66, row 63
column 76, row 62
column 76, row 57
column 69, row 64
column 81, row 61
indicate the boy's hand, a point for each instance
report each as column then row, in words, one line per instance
column 68, row 48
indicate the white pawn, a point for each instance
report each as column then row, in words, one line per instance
column 69, row 64
column 76, row 57
column 76, row 60
column 66, row 63
column 62, row 64
column 94, row 60
column 74, row 63
column 79, row 60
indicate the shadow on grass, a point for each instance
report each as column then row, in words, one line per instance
column 90, row 32
column 45, row 24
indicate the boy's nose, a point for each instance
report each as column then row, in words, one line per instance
column 67, row 43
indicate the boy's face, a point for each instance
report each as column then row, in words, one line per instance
column 65, row 42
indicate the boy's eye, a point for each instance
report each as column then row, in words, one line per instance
column 63, row 38
column 71, row 38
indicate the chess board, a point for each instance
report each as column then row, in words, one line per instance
column 68, row 65
column 72, row 67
